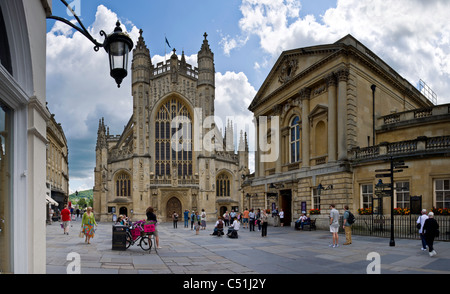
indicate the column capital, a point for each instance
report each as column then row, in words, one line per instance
column 277, row 110
column 331, row 80
column 304, row 93
column 342, row 74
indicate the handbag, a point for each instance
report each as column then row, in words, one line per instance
column 149, row 228
column 81, row 235
column 418, row 226
column 436, row 234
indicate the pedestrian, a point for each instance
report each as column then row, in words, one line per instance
column 420, row 222
column 431, row 231
column 233, row 229
column 218, row 227
column 347, row 226
column 186, row 218
column 263, row 222
column 245, row 217
column 197, row 226
column 232, row 216
column 203, row 219
column 226, row 218
column 50, row 213
column 192, row 220
column 258, row 219
column 87, row 225
column 78, row 213
column 175, row 219
column 65, row 218
column 334, row 225
column 151, row 216
column 251, row 219
column 281, row 215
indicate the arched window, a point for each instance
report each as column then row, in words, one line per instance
column 295, row 139
column 321, row 136
column 173, row 145
column 123, row 185
column 223, row 185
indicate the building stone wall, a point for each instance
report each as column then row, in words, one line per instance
column 141, row 168
column 354, row 113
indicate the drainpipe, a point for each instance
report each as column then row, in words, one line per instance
column 373, row 113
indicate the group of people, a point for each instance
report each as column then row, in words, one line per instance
column 427, row 225
column 428, row 230
column 249, row 219
column 87, row 223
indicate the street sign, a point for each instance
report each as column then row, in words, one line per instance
column 382, row 170
column 382, row 186
column 382, row 193
column 382, row 175
column 403, row 166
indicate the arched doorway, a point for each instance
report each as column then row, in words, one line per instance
column 222, row 210
column 173, row 205
column 123, row 211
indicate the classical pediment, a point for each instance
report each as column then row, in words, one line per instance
column 290, row 66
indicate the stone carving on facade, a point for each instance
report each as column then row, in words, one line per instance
column 288, row 70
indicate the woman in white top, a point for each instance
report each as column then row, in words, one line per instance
column 421, row 220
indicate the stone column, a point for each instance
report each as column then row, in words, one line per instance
column 304, row 96
column 342, row 76
column 277, row 112
column 332, row 123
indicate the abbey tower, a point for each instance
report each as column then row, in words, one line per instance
column 170, row 155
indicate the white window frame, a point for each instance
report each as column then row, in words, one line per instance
column 445, row 191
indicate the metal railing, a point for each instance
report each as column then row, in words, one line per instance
column 404, row 226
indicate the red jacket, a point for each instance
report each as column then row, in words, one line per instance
column 65, row 215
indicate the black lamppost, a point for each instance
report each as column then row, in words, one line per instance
column 117, row 44
column 320, row 188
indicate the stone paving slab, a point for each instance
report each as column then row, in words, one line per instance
column 283, row 251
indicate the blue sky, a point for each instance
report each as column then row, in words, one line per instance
column 246, row 36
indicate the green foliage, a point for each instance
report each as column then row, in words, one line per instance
column 83, row 199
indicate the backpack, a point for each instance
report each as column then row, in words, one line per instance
column 351, row 218
column 220, row 225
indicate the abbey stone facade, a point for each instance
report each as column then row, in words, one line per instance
column 170, row 155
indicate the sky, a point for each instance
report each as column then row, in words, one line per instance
column 246, row 37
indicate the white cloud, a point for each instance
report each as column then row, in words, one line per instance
column 79, row 86
column 411, row 36
column 80, row 91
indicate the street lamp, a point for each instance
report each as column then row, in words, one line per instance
column 118, row 45
column 320, row 187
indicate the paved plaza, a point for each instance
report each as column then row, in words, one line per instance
column 283, row 251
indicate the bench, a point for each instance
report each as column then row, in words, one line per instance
column 311, row 225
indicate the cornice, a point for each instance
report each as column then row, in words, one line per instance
column 367, row 58
column 336, row 51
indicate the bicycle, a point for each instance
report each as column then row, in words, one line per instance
column 145, row 242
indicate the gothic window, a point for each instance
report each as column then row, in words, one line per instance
column 123, row 185
column 173, row 139
column 223, row 185
column 295, row 139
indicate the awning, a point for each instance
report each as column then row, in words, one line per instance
column 51, row 201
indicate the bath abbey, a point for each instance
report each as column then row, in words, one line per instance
column 171, row 155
